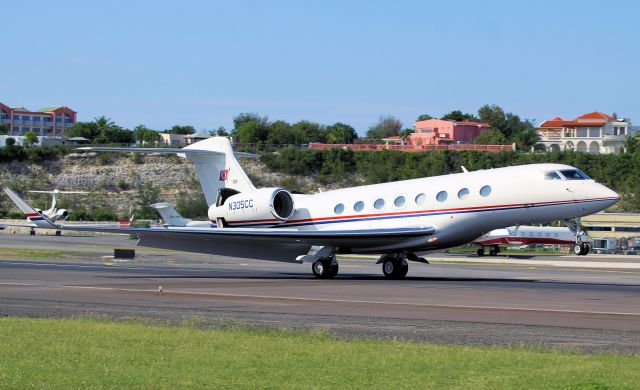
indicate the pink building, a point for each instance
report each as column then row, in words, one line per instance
column 47, row 122
column 440, row 132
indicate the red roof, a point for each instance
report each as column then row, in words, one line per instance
column 595, row 115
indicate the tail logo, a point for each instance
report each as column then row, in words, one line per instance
column 224, row 174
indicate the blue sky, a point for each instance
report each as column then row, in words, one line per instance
column 162, row 63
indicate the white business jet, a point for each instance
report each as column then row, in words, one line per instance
column 397, row 219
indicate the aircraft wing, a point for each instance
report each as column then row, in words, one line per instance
column 345, row 238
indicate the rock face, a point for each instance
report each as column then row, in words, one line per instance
column 114, row 179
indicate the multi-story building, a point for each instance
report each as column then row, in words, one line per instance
column 46, row 122
column 441, row 132
column 594, row 132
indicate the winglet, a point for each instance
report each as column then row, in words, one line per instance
column 32, row 215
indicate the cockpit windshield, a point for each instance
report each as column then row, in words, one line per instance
column 566, row 174
column 574, row 174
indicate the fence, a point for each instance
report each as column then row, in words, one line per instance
column 417, row 148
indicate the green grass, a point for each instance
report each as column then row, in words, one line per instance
column 38, row 254
column 91, row 353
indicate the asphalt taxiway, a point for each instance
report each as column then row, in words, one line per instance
column 592, row 309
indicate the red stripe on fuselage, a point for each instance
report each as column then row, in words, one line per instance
column 347, row 217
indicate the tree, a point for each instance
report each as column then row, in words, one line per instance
column 142, row 134
column 9, row 142
column 490, row 137
column 387, row 126
column 178, row 129
column 341, row 133
column 252, row 132
column 245, row 117
column 4, row 129
column 424, row 117
column 280, row 133
column 87, row 130
column 220, row 132
column 457, row 115
column 513, row 129
column 146, row 195
column 306, row 132
column 31, row 138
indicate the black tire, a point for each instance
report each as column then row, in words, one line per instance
column 492, row 252
column 577, row 249
column 32, row 233
column 480, row 252
column 334, row 270
column 324, row 269
column 585, row 249
column 394, row 269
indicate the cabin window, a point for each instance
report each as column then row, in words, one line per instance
column 339, row 208
column 378, row 204
column 574, row 174
column 358, row 206
column 399, row 201
column 420, row 198
column 485, row 191
column 552, row 176
column 463, row 193
column 442, row 196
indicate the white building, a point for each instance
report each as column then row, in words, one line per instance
column 594, row 132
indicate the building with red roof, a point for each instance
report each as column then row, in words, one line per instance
column 46, row 122
column 442, row 132
column 594, row 132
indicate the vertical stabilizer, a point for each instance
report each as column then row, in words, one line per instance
column 217, row 170
column 170, row 215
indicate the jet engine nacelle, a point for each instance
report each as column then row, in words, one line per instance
column 266, row 205
column 61, row 214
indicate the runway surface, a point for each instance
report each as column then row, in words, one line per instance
column 589, row 309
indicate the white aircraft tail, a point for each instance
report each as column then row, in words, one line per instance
column 215, row 162
column 219, row 169
column 170, row 215
column 32, row 215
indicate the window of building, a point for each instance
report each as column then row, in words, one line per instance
column 442, row 196
column 37, row 118
column 485, row 191
column 463, row 193
column 339, row 208
column 358, row 206
column 420, row 198
column 378, row 204
column 399, row 201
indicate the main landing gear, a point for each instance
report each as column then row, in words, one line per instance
column 396, row 266
column 492, row 252
column 325, row 268
column 579, row 248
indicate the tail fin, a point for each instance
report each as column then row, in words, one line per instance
column 169, row 214
column 217, row 170
column 32, row 215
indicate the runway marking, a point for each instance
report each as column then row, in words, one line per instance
column 302, row 299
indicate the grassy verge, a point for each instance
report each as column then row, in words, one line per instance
column 40, row 254
column 88, row 353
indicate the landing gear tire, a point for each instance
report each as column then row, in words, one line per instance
column 395, row 268
column 492, row 252
column 32, row 232
column 585, row 249
column 578, row 249
column 480, row 252
column 325, row 268
column 58, row 233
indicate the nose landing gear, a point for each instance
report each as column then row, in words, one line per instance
column 580, row 248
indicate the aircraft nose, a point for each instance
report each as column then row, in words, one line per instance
column 609, row 194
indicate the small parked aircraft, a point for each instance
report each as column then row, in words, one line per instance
column 171, row 217
column 527, row 235
column 53, row 214
column 397, row 220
